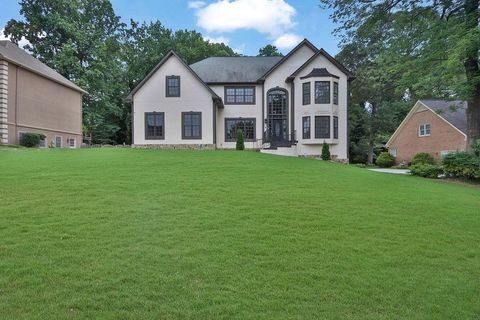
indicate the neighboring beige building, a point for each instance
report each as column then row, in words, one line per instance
column 437, row 127
column 35, row 98
column 287, row 105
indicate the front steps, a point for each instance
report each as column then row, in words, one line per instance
column 282, row 151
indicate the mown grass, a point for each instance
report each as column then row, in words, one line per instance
column 144, row 234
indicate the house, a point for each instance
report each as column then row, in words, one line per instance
column 288, row 105
column 434, row 126
column 35, row 98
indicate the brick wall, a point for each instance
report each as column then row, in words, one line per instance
column 442, row 137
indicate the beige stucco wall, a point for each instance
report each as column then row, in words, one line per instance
column 280, row 74
column 37, row 104
column 193, row 97
column 239, row 111
column 443, row 137
column 312, row 146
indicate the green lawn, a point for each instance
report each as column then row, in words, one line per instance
column 145, row 234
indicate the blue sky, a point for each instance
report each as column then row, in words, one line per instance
column 246, row 25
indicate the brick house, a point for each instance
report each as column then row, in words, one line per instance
column 434, row 126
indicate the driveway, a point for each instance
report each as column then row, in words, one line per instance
column 394, row 171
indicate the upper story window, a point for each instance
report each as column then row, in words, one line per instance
column 322, row 127
column 192, row 125
column 335, row 93
column 173, row 86
column 154, row 125
column 306, row 93
column 306, row 127
column 424, row 130
column 322, row 91
column 240, row 95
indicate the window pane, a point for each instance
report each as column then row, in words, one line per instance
column 306, row 127
column 230, row 92
column 230, row 98
column 239, row 92
column 249, row 91
column 335, row 93
column 335, row 127
column 239, row 99
column 240, row 95
column 249, row 99
column 306, row 93
column 322, row 92
column 322, row 127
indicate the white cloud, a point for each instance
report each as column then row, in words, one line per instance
column 22, row 43
column 271, row 17
column 219, row 39
column 287, row 41
column 196, row 4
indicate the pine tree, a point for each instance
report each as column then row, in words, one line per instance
column 240, row 142
column 325, row 151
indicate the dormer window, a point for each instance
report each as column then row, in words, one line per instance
column 322, row 92
column 173, row 86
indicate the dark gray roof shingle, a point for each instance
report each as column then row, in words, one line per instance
column 233, row 69
column 452, row 111
column 319, row 72
column 12, row 53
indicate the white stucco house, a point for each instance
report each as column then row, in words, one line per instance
column 288, row 105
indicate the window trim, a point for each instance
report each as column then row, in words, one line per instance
column 335, row 127
column 167, row 92
column 329, row 92
column 61, row 141
column 163, row 124
column 309, row 86
column 241, row 119
column 183, row 125
column 74, row 143
column 424, row 129
column 304, row 135
column 329, row 133
column 225, row 102
column 393, row 152
column 335, row 93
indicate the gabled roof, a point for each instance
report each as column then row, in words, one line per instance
column 301, row 44
column 452, row 112
column 319, row 72
column 11, row 53
column 164, row 59
column 233, row 69
column 329, row 58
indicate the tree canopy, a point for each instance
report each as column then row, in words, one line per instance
column 269, row 51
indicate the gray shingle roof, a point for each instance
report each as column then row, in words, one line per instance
column 233, row 69
column 319, row 72
column 12, row 53
column 452, row 111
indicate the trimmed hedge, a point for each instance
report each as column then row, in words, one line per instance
column 462, row 165
column 240, row 141
column 385, row 160
column 423, row 158
column 31, row 140
column 426, row 170
column 325, row 151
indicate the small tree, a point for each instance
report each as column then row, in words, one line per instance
column 240, row 142
column 325, row 151
column 31, row 140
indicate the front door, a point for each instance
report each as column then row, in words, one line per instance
column 277, row 115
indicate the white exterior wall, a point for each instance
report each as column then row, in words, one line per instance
column 193, row 97
column 239, row 111
column 338, row 147
column 280, row 74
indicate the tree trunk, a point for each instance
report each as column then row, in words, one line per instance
column 372, row 132
column 472, row 71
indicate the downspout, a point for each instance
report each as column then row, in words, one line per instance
column 293, row 138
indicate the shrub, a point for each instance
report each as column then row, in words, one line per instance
column 462, row 165
column 240, row 142
column 426, row 170
column 31, row 140
column 325, row 151
column 385, row 160
column 423, row 158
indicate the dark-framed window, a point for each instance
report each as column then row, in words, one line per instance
column 232, row 125
column 240, row 95
column 335, row 93
column 154, row 125
column 306, row 127
column 172, row 86
column 306, row 93
column 191, row 125
column 335, row 127
column 322, row 91
column 322, row 127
